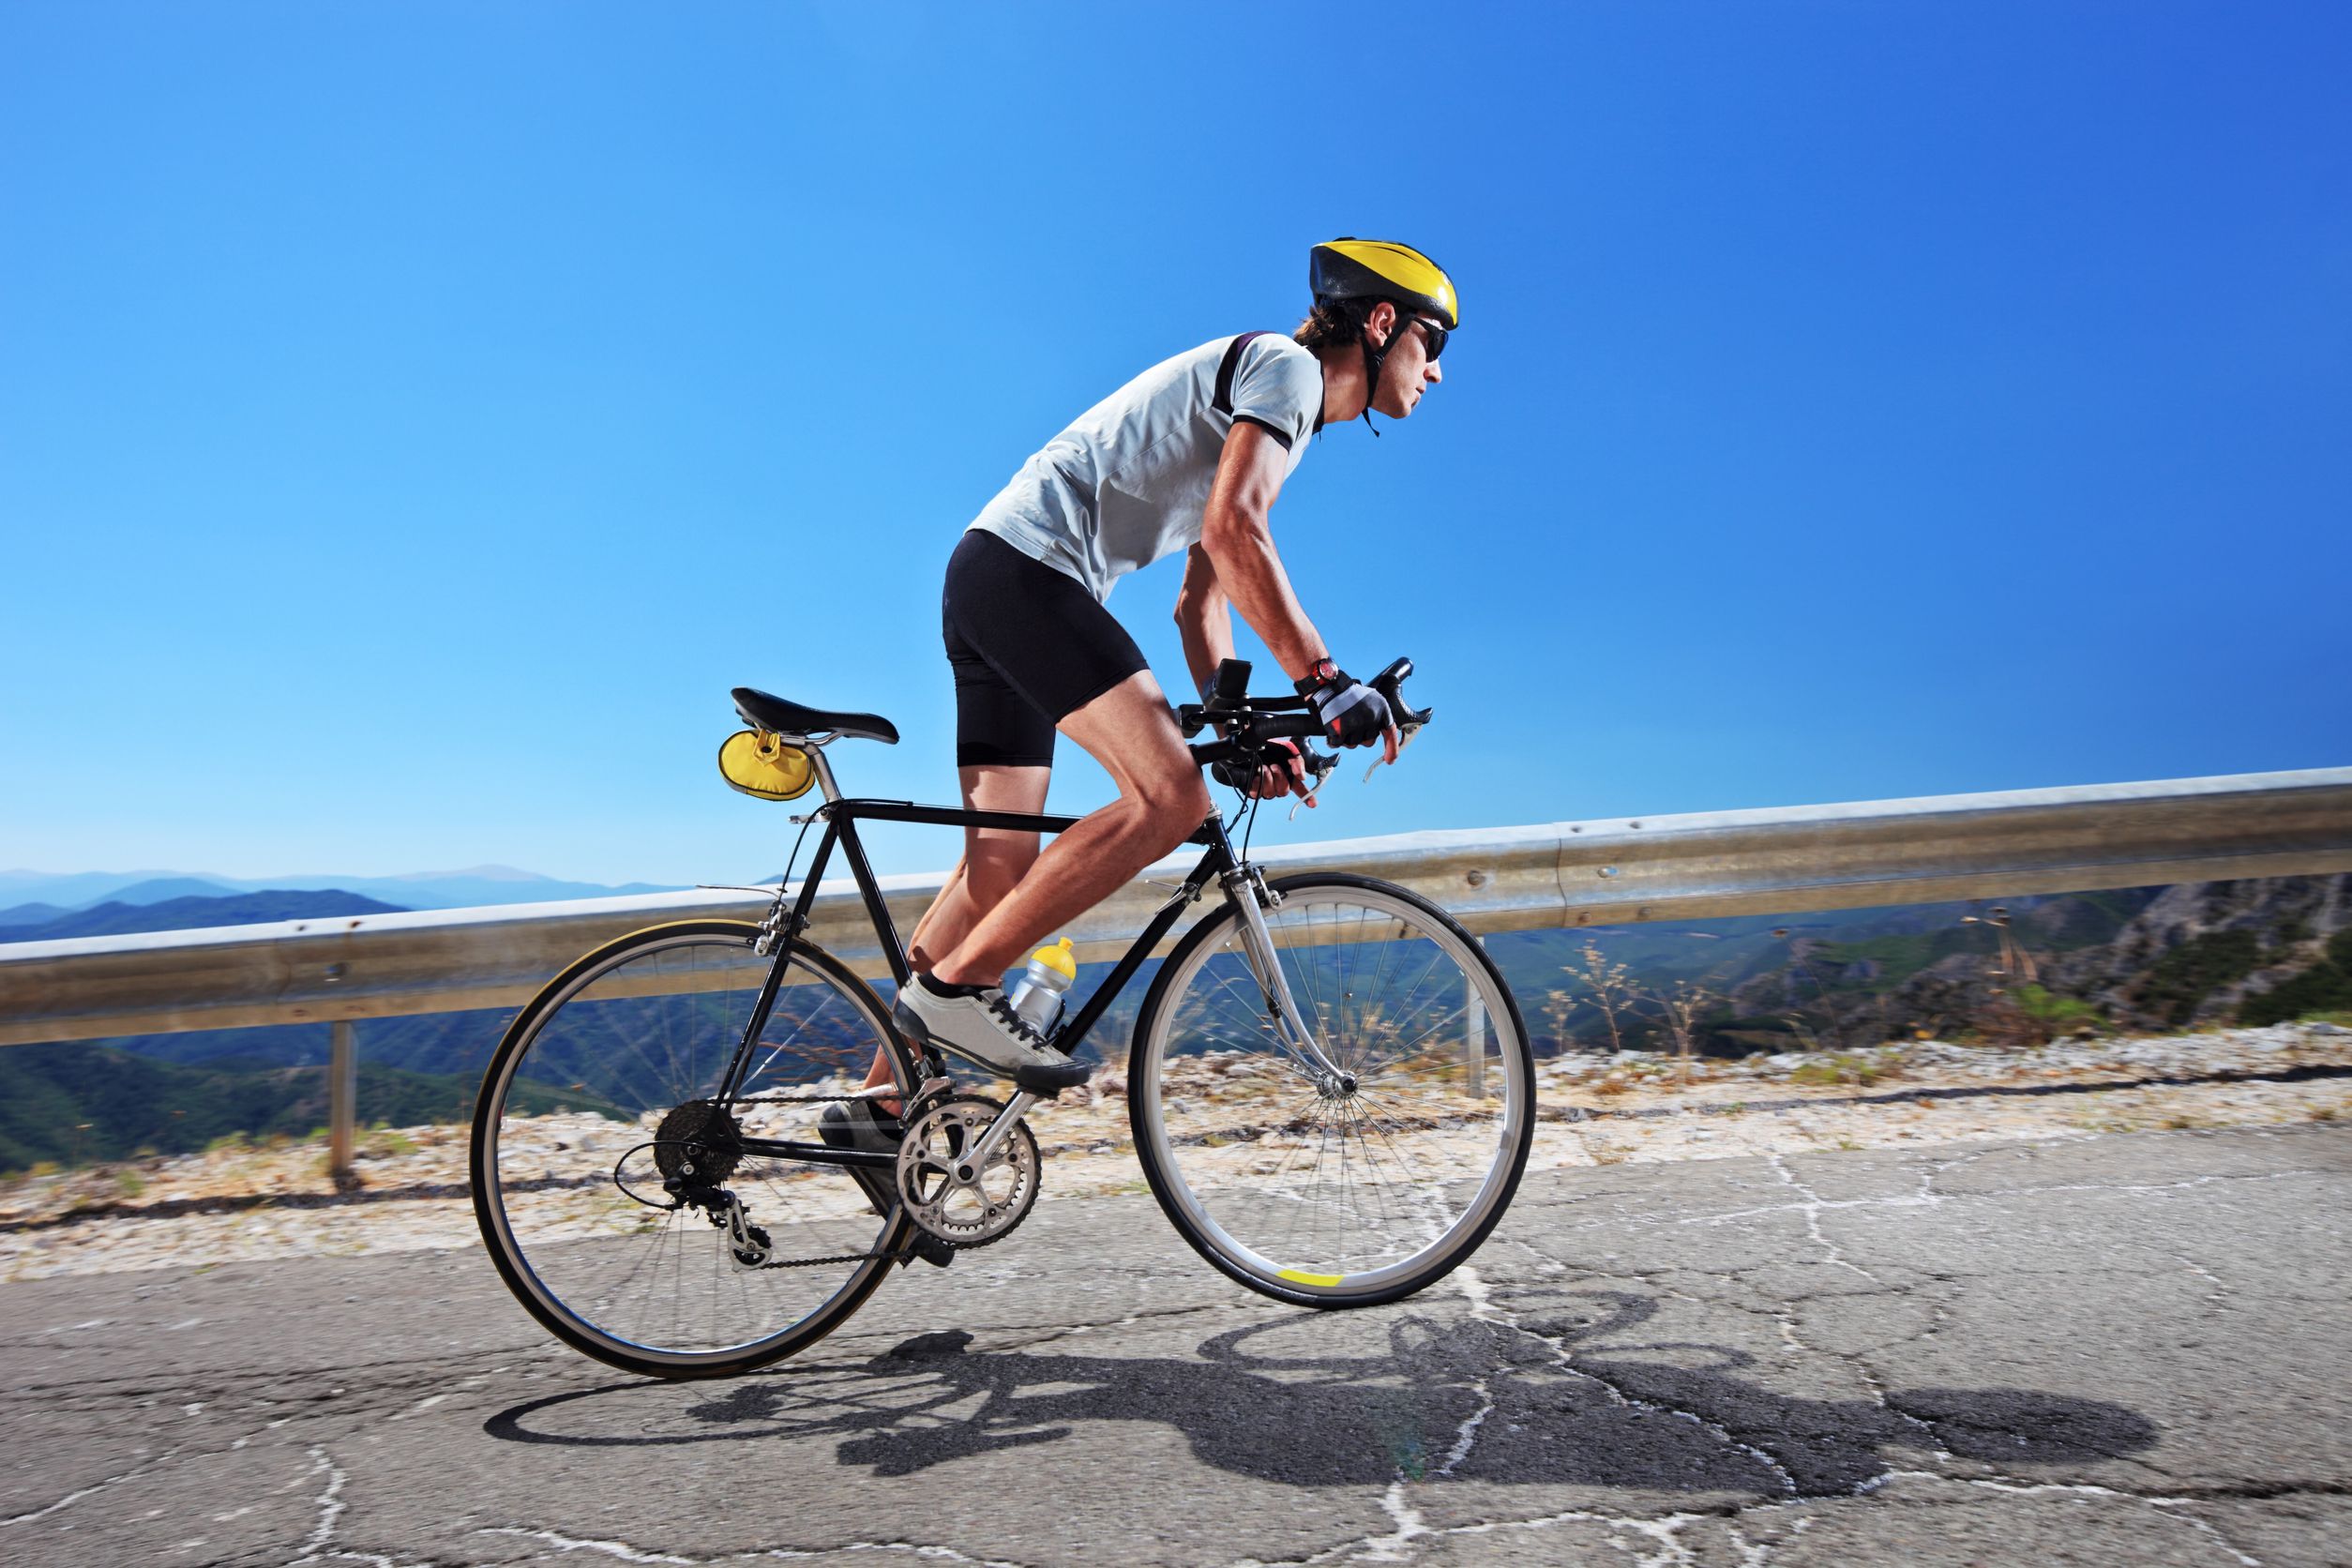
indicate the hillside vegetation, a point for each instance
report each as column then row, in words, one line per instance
column 71, row 1104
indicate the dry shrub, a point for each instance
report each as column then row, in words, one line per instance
column 1842, row 1069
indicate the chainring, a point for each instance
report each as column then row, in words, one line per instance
column 942, row 1202
column 698, row 1140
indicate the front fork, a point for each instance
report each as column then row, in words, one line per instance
column 1245, row 886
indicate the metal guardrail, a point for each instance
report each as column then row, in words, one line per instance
column 1595, row 873
column 1591, row 873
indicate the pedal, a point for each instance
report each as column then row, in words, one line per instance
column 928, row 1247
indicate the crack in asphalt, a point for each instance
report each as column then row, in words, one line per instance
column 395, row 1388
column 1815, row 1207
column 73, row 1497
column 1139, row 1315
column 319, row 1547
column 1859, row 1360
column 2217, row 1300
column 2172, row 1507
column 624, row 1552
column 1665, row 1530
column 1811, row 1206
column 562, row 1543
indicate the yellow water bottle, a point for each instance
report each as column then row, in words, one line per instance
column 1050, row 973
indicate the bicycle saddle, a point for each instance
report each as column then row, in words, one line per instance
column 790, row 718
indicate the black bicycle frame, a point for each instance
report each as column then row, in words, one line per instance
column 841, row 818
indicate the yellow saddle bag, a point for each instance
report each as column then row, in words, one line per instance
column 761, row 763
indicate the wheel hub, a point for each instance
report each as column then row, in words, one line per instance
column 1336, row 1087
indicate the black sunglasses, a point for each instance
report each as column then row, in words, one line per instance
column 1433, row 334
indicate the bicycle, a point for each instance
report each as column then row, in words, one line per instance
column 1329, row 1088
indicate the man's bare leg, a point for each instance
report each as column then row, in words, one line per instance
column 994, row 860
column 1130, row 731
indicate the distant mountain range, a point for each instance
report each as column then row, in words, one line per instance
column 116, row 917
column 38, row 897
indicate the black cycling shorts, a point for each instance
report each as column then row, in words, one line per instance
column 1028, row 647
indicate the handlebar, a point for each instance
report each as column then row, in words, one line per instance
column 1390, row 683
column 1246, row 724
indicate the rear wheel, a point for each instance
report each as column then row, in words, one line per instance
column 612, row 1187
column 1342, row 1190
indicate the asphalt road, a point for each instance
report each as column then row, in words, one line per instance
column 2127, row 1349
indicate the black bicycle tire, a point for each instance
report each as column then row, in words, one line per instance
column 494, row 1241
column 1147, row 1152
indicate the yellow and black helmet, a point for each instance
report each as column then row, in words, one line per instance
column 1351, row 268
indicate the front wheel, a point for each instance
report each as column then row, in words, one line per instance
column 1325, row 1189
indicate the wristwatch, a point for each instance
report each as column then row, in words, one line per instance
column 1318, row 675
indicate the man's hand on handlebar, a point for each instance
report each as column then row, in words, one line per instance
column 1273, row 780
column 1349, row 712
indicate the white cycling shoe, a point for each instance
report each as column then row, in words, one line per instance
column 980, row 1027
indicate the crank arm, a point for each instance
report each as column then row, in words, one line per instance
column 981, row 1152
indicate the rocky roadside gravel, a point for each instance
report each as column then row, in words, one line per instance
column 243, row 1205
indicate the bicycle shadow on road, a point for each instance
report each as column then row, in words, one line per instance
column 1538, row 1399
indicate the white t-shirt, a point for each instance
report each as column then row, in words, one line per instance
column 1126, row 484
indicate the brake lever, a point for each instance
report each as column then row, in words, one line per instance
column 1323, row 766
column 1405, row 733
column 1390, row 683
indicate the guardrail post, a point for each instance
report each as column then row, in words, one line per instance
column 342, row 1090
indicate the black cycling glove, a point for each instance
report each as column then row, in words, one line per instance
column 1243, row 775
column 1349, row 712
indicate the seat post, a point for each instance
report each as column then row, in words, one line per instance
column 824, row 772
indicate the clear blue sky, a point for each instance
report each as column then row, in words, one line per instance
column 413, row 417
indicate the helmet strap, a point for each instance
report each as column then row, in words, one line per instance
column 1373, row 358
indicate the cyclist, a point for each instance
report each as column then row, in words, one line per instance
column 1189, row 456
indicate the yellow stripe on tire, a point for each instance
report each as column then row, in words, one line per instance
column 1300, row 1277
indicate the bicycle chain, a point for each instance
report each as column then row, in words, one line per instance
column 898, row 1256
column 935, row 1089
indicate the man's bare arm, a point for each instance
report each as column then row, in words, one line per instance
column 1203, row 619
column 1205, row 622
column 1239, row 544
